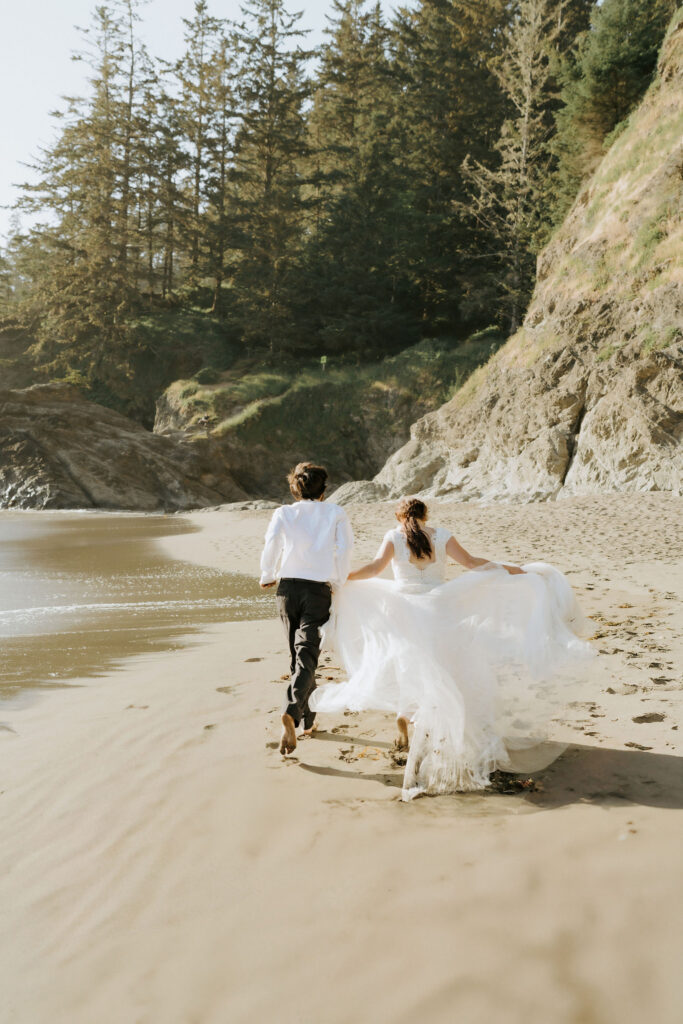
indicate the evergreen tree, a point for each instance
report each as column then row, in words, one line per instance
column 572, row 19
column 270, row 147
column 84, row 283
column 160, row 198
column 133, row 63
column 6, row 285
column 603, row 79
column 195, row 73
column 358, row 296
column 351, row 80
column 219, row 226
column 449, row 104
column 511, row 201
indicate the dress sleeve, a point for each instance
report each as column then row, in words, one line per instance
column 343, row 539
column 272, row 550
column 441, row 538
column 388, row 536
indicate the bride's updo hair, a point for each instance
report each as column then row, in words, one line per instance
column 412, row 512
column 307, row 481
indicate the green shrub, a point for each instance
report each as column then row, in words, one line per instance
column 207, row 375
column 655, row 342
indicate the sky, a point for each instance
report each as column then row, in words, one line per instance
column 37, row 38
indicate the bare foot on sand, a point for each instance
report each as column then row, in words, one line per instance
column 311, row 730
column 288, row 738
column 402, row 726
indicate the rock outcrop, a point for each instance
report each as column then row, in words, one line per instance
column 588, row 396
column 58, row 450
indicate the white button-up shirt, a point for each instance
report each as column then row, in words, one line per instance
column 309, row 540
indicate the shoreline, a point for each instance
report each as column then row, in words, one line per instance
column 162, row 863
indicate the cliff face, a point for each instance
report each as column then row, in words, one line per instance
column 58, row 450
column 588, row 396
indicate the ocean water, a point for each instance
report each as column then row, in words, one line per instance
column 81, row 591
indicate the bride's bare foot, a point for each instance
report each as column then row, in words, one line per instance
column 402, row 726
column 288, row 739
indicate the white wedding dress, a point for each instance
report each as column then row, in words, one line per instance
column 481, row 663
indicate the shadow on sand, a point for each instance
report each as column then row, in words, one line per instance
column 386, row 778
column 361, row 741
column 589, row 775
column 603, row 775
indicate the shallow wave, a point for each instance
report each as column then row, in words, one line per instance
column 12, row 618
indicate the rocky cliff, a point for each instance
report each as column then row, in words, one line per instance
column 58, row 450
column 588, row 396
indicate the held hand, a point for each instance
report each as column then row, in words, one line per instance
column 515, row 570
column 266, row 586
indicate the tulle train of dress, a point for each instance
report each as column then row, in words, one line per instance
column 482, row 664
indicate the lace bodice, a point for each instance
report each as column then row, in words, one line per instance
column 406, row 571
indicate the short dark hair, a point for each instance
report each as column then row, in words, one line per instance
column 307, row 481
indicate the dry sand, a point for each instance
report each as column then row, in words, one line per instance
column 161, row 863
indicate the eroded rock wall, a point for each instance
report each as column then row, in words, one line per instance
column 58, row 450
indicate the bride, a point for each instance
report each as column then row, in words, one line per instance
column 479, row 664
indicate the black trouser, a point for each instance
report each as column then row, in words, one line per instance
column 304, row 607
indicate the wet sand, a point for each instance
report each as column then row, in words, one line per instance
column 80, row 592
column 161, row 863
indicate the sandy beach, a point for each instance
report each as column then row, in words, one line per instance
column 161, row 863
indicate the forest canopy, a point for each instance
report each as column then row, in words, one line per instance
column 393, row 184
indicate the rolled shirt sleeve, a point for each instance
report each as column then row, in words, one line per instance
column 343, row 537
column 272, row 550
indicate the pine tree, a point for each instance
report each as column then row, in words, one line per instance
column 221, row 150
column 346, row 87
column 268, row 182
column 449, row 105
column 195, row 74
column 358, row 297
column 572, row 19
column 162, row 161
column 603, row 79
column 6, row 285
column 511, row 201
column 134, row 63
column 84, row 284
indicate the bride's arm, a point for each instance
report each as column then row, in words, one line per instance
column 374, row 568
column 458, row 554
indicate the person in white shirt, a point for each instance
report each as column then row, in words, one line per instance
column 307, row 549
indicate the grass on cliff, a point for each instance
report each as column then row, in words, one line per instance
column 287, row 405
column 632, row 203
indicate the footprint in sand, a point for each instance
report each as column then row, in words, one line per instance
column 252, row 659
column 652, row 716
column 372, row 753
column 225, row 689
